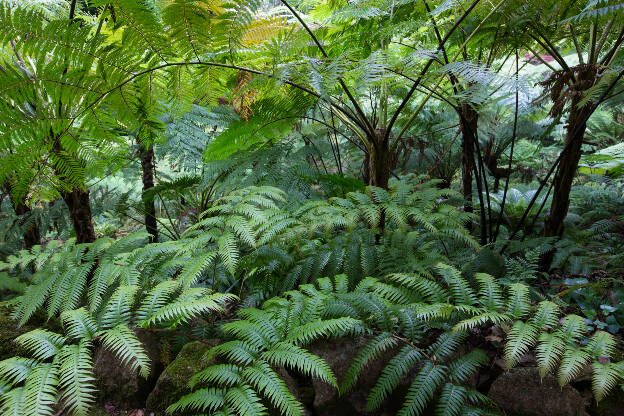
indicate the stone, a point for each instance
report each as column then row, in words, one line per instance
column 9, row 330
column 339, row 353
column 173, row 382
column 612, row 405
column 121, row 386
column 520, row 392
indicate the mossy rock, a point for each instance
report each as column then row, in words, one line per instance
column 9, row 330
column 120, row 385
column 173, row 382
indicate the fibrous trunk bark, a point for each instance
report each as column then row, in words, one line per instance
column 468, row 120
column 554, row 225
column 79, row 205
column 380, row 161
column 147, row 167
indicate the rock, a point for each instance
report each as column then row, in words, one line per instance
column 612, row 405
column 519, row 392
column 173, row 382
column 9, row 331
column 121, row 386
column 339, row 353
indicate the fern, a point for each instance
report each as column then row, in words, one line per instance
column 61, row 368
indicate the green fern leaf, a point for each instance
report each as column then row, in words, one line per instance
column 76, row 378
column 296, row 358
column 200, row 401
column 521, row 338
column 572, row 362
column 370, row 352
column 423, row 388
column 42, row 344
column 121, row 341
column 41, row 389
column 261, row 376
column 392, row 374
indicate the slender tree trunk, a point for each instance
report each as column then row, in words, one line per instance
column 380, row 164
column 147, row 166
column 468, row 120
column 366, row 168
column 79, row 205
column 80, row 213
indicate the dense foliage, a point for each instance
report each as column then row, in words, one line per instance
column 419, row 175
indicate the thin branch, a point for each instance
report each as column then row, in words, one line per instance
column 426, row 68
column 553, row 51
column 603, row 38
column 513, row 141
column 606, row 61
column 424, row 101
column 199, row 63
column 358, row 109
column 591, row 59
column 539, row 57
column 452, row 78
column 579, row 51
column 72, row 10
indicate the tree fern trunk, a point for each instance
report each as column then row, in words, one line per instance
column 379, row 161
column 564, row 176
column 80, row 213
column 32, row 237
column 147, row 166
column 366, row 168
column 468, row 120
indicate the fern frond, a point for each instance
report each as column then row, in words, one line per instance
column 41, row 390
column 79, row 324
column 42, row 344
column 370, row 352
column 261, row 376
column 296, row 358
column 422, row 389
column 549, row 350
column 521, row 338
column 122, row 342
column 572, row 363
column 76, row 378
column 392, row 374
column 604, row 379
column 200, row 400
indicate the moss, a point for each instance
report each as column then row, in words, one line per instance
column 173, row 382
column 9, row 330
